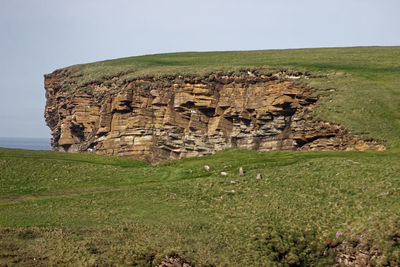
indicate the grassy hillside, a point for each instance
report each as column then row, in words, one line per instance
column 68, row 208
column 367, row 79
column 82, row 209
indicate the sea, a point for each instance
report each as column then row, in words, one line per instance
column 25, row 143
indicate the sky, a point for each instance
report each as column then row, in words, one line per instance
column 39, row 36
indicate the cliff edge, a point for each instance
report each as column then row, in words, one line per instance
column 172, row 117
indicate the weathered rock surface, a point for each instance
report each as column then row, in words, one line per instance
column 174, row 261
column 174, row 117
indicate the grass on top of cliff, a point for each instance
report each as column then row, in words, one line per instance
column 366, row 79
column 81, row 209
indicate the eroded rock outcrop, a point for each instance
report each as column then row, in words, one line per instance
column 174, row 116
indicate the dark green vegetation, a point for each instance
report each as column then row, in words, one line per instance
column 58, row 208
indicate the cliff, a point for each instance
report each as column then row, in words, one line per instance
column 172, row 117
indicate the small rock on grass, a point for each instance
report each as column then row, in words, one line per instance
column 224, row 173
column 339, row 234
column 241, row 171
column 383, row 194
column 259, row 176
column 234, row 182
column 207, row 168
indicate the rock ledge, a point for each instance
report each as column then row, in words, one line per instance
column 172, row 117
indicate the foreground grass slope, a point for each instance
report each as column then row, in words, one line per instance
column 60, row 208
column 81, row 209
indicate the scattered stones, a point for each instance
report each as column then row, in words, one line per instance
column 234, row 182
column 224, row 173
column 353, row 253
column 174, row 261
column 259, row 176
column 207, row 168
column 241, row 171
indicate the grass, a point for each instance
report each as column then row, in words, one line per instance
column 83, row 209
column 102, row 210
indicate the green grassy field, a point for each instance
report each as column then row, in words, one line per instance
column 82, row 209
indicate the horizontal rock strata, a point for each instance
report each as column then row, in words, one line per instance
column 174, row 117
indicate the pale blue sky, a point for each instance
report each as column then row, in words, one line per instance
column 39, row 36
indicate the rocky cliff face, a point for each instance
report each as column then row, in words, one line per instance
column 174, row 117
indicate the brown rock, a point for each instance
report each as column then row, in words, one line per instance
column 190, row 118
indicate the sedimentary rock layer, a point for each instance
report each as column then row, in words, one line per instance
column 172, row 117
